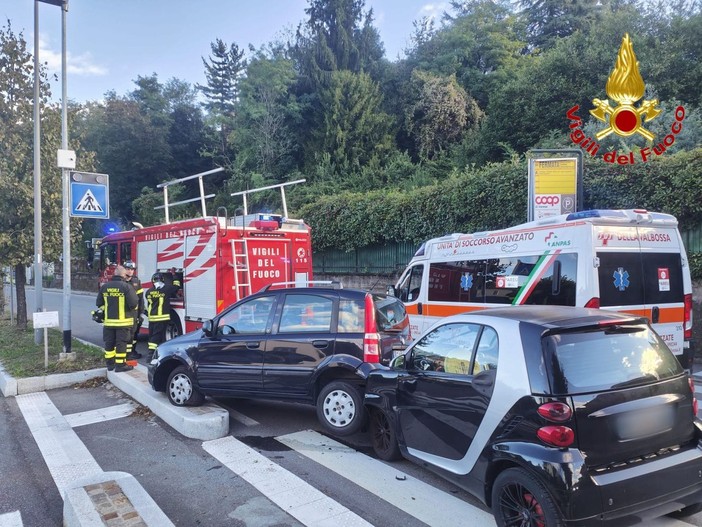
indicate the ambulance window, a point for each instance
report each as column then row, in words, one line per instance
column 663, row 278
column 462, row 281
column 561, row 293
column 409, row 288
column 621, row 280
column 505, row 277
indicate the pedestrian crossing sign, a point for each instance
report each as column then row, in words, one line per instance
column 89, row 195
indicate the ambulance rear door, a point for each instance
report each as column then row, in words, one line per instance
column 641, row 272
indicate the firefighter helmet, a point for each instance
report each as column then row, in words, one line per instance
column 129, row 264
column 98, row 315
column 157, row 277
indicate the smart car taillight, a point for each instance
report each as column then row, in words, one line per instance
column 694, row 399
column 555, row 411
column 688, row 317
column 593, row 303
column 560, row 436
column 371, row 339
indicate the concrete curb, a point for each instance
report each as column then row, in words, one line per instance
column 80, row 510
column 205, row 422
column 10, row 387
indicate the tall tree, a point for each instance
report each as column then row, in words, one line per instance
column 440, row 115
column 16, row 164
column 549, row 20
column 352, row 129
column 338, row 35
column 223, row 71
column 268, row 116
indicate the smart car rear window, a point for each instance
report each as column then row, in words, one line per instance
column 618, row 357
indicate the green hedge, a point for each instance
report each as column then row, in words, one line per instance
column 495, row 196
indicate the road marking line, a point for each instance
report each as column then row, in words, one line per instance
column 101, row 414
column 64, row 453
column 289, row 492
column 11, row 519
column 414, row 497
column 243, row 419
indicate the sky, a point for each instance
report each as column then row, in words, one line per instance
column 112, row 42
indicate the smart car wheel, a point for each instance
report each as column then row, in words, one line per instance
column 181, row 388
column 519, row 500
column 340, row 408
column 383, row 436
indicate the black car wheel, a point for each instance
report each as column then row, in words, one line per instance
column 519, row 500
column 340, row 408
column 181, row 388
column 383, row 436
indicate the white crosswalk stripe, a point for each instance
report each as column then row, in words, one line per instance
column 100, row 415
column 289, row 492
column 65, row 455
column 408, row 494
column 11, row 519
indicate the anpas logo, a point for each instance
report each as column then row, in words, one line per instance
column 625, row 86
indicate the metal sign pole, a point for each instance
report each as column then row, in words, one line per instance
column 64, row 179
column 38, row 264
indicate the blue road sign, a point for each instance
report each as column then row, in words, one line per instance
column 90, row 195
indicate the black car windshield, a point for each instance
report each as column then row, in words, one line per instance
column 590, row 361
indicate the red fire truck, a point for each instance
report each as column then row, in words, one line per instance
column 218, row 259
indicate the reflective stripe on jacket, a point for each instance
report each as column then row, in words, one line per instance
column 158, row 303
column 118, row 300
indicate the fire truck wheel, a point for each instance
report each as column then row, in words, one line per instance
column 174, row 329
column 340, row 408
column 181, row 388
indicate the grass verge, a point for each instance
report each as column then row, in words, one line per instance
column 21, row 357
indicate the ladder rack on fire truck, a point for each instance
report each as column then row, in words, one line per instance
column 241, row 263
column 201, row 199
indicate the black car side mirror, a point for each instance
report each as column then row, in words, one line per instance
column 391, row 291
column 398, row 363
column 207, row 327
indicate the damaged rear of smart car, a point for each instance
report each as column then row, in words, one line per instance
column 556, row 416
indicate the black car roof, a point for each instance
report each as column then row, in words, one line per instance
column 556, row 316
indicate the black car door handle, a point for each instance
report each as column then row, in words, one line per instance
column 253, row 345
column 320, row 344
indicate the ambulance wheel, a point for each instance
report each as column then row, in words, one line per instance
column 181, row 389
column 174, row 328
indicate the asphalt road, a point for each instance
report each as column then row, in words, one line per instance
column 82, row 326
column 194, row 483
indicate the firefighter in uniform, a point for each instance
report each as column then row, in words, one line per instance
column 133, row 279
column 158, row 309
column 117, row 299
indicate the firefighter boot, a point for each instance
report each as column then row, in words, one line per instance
column 123, row 367
column 110, row 363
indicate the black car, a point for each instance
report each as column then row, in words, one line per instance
column 549, row 415
column 314, row 345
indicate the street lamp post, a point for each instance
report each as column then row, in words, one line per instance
column 66, row 160
column 64, row 180
column 38, row 302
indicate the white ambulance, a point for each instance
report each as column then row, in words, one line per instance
column 631, row 261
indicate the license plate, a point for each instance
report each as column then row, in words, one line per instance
column 641, row 424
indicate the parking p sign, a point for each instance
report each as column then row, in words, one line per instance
column 90, row 195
